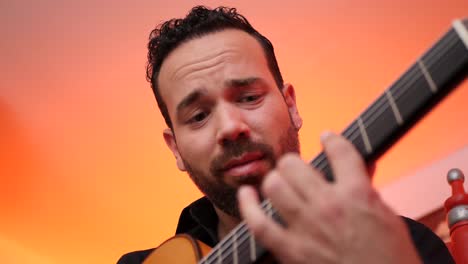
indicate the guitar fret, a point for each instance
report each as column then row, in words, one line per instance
column 365, row 138
column 253, row 250
column 394, row 107
column 461, row 31
column 235, row 252
column 428, row 77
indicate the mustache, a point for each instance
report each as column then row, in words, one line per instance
column 235, row 149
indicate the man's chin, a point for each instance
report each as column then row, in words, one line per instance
column 252, row 180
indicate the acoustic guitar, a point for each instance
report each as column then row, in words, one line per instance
column 421, row 87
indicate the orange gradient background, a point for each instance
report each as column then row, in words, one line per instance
column 85, row 174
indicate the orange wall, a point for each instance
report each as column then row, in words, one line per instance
column 85, row 175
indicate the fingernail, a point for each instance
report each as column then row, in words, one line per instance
column 242, row 189
column 325, row 135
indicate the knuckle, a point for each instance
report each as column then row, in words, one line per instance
column 292, row 212
column 332, row 211
column 370, row 196
column 362, row 193
column 367, row 201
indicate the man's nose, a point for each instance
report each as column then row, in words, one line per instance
column 232, row 125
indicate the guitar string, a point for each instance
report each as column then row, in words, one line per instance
column 241, row 230
column 376, row 107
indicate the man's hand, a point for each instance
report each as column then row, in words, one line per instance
column 340, row 222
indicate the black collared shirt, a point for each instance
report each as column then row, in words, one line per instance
column 199, row 220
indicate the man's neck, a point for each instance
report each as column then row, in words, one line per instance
column 226, row 223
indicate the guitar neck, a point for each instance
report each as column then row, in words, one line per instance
column 419, row 89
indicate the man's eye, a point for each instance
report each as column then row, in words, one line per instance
column 249, row 98
column 198, row 117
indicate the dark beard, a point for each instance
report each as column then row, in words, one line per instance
column 223, row 195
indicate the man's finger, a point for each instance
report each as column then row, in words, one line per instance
column 346, row 162
column 283, row 197
column 303, row 178
column 270, row 234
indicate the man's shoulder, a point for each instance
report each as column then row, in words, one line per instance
column 189, row 223
column 135, row 257
column 430, row 247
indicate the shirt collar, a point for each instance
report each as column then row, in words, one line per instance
column 200, row 220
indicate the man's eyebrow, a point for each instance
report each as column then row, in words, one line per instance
column 190, row 99
column 235, row 83
column 199, row 92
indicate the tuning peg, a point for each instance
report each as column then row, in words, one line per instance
column 454, row 175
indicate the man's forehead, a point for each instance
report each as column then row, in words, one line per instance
column 204, row 48
column 200, row 52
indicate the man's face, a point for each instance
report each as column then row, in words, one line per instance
column 230, row 120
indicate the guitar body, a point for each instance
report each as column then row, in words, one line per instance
column 181, row 249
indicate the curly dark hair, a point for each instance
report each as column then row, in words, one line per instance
column 199, row 21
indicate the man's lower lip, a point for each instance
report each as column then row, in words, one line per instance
column 250, row 167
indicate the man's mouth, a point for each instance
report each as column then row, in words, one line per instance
column 247, row 164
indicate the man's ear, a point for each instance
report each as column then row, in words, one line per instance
column 171, row 143
column 290, row 98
